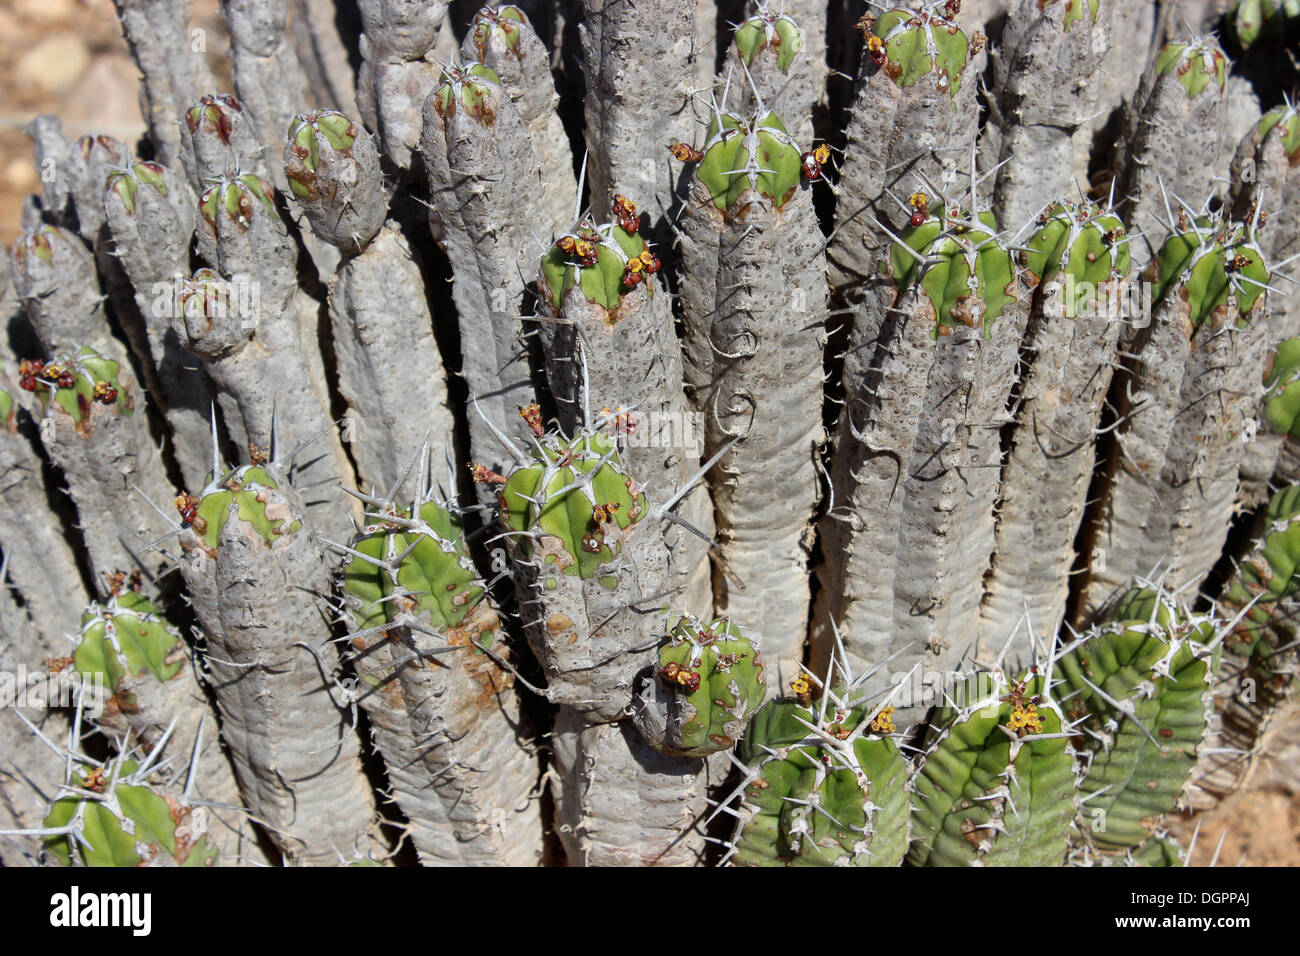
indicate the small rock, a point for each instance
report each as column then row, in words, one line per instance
column 55, row 64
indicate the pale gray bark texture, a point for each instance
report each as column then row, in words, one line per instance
column 1044, row 90
column 915, row 477
column 620, row 803
column 640, row 63
column 766, row 336
column 1174, row 485
column 151, row 220
column 323, row 55
column 491, row 210
column 520, row 60
column 1045, row 480
column 448, row 728
column 270, row 660
column 900, row 140
column 381, row 325
column 171, row 60
column 592, row 638
column 631, row 359
column 1171, row 150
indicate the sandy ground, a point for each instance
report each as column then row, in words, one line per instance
column 68, row 57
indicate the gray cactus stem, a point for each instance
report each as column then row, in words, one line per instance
column 395, row 79
column 446, row 717
column 266, row 72
column 1267, row 183
column 596, row 365
column 485, row 189
column 296, row 758
column 1179, row 450
column 1045, row 479
column 895, row 135
column 150, row 213
column 54, row 276
column 638, row 98
column 800, row 87
column 767, row 335
column 171, row 59
column 520, row 60
column 591, row 638
column 620, row 803
column 915, row 479
column 1171, row 142
column 113, row 473
column 323, row 54
column 40, row 563
column 381, row 324
column 1043, row 93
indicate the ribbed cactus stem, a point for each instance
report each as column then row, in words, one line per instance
column 1190, row 387
column 269, row 650
column 93, row 425
column 913, row 120
column 639, row 90
column 1173, row 130
column 621, row 803
column 928, row 371
column 444, row 714
column 604, row 309
column 381, row 324
column 1045, row 90
column 1078, row 256
column 754, row 348
column 171, row 60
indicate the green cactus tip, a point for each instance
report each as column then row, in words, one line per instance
column 1079, row 241
column 769, row 31
column 125, row 638
column 909, row 45
column 501, row 23
column 305, row 135
column 717, row 681
column 573, row 505
column 259, row 505
column 237, row 196
column 605, row 261
column 77, row 384
column 125, row 182
column 420, row 552
column 124, row 821
column 1205, row 262
column 471, row 88
column 1286, row 120
column 825, row 785
column 967, row 275
column 1195, row 65
column 749, row 153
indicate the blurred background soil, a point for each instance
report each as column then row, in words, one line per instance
column 68, row 57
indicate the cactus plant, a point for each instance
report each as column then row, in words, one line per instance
column 863, row 358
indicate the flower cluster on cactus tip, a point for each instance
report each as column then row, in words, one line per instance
column 911, row 44
column 76, row 383
column 604, row 262
column 966, row 274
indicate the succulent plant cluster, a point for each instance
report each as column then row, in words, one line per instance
column 606, row 434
